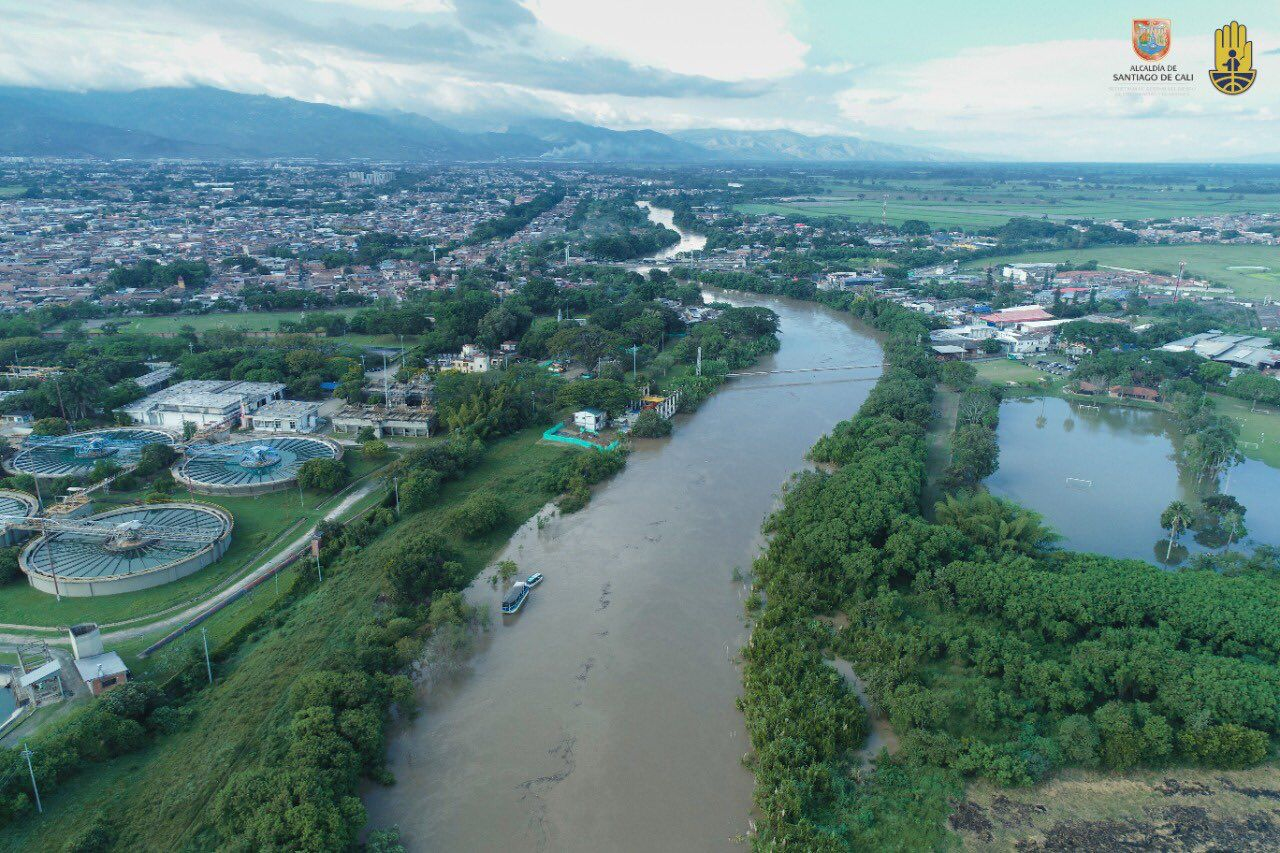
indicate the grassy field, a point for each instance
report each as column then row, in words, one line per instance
column 248, row 321
column 1004, row 371
column 977, row 205
column 263, row 525
column 1260, row 428
column 11, row 190
column 1228, row 266
column 159, row 796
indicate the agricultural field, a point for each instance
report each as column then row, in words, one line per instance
column 11, row 190
column 1252, row 271
column 263, row 525
column 958, row 204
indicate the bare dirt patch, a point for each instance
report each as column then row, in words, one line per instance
column 1180, row 810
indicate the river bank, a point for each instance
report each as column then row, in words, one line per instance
column 602, row 717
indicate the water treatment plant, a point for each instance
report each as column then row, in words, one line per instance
column 124, row 550
column 252, row 467
column 74, row 455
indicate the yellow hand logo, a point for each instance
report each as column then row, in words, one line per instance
column 1232, row 71
column 1232, row 49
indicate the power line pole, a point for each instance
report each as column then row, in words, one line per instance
column 208, row 667
column 26, row 753
column 699, row 361
column 396, row 483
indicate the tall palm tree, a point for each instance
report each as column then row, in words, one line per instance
column 1234, row 522
column 1176, row 518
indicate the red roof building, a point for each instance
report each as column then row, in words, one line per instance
column 1013, row 316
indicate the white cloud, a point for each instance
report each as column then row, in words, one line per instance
column 722, row 39
column 1057, row 99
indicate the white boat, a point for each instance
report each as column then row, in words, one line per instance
column 514, row 599
column 533, row 580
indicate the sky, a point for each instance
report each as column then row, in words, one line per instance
column 1029, row 80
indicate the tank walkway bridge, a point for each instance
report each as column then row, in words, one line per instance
column 801, row 370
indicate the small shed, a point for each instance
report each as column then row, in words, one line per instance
column 102, row 672
column 592, row 420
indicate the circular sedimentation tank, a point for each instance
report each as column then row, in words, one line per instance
column 127, row 549
column 253, row 467
column 75, row 455
column 15, row 504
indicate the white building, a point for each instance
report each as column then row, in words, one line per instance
column 1030, row 272
column 592, row 420
column 287, row 416
column 203, row 402
column 472, row 359
column 1025, row 343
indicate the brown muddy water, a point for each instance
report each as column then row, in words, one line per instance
column 601, row 717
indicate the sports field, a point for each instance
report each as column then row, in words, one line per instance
column 957, row 204
column 245, row 321
column 1252, row 271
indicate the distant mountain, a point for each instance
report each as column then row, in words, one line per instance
column 571, row 140
column 207, row 123
column 236, row 125
column 777, row 146
column 28, row 132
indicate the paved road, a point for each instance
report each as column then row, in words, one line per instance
column 180, row 617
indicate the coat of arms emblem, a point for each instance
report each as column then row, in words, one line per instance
column 1152, row 38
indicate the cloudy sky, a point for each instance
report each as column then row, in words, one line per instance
column 1026, row 79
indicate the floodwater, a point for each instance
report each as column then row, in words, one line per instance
column 602, row 716
column 689, row 241
column 1102, row 476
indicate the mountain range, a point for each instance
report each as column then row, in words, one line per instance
column 208, row 123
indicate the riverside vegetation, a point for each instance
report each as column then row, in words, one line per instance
column 992, row 654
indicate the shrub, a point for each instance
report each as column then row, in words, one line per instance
column 375, row 450
column 322, row 475
column 155, row 458
column 1226, row 745
column 650, row 424
column 478, row 514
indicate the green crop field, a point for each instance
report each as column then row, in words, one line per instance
column 954, row 204
column 259, row 525
column 1252, row 271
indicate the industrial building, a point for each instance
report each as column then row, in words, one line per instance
column 1235, row 350
column 385, row 420
column 99, row 669
column 287, row 416
column 203, row 402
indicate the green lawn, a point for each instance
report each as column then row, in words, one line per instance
column 159, row 797
column 1221, row 265
column 263, row 525
column 1260, row 427
column 956, row 203
column 249, row 321
column 11, row 190
column 1003, row 371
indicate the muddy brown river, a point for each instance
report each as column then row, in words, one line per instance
column 602, row 716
